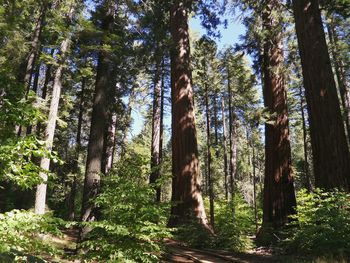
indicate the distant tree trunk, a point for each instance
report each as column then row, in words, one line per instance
column 254, row 190
column 331, row 157
column 44, row 88
column 35, row 46
column 40, row 197
column 156, row 127
column 35, row 89
column 341, row 77
column 224, row 145
column 99, row 120
column 109, row 143
column 209, row 174
column 48, row 74
column 232, row 136
column 73, row 192
column 186, row 192
column 127, row 123
column 161, row 117
column 306, row 162
column 216, row 125
column 279, row 195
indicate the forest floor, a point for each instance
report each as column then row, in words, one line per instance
column 175, row 252
column 182, row 254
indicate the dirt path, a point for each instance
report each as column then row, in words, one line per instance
column 179, row 253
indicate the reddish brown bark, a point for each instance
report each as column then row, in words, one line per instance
column 331, row 157
column 186, row 187
column 279, row 196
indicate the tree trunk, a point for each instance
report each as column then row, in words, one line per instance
column 306, row 162
column 341, row 77
column 131, row 102
column 279, row 195
column 34, row 49
column 35, row 89
column 40, row 197
column 186, row 191
column 44, row 88
column 216, row 125
column 99, row 120
column 224, row 146
column 232, row 136
column 209, row 174
column 73, row 192
column 156, row 127
column 254, row 190
column 329, row 145
column 109, row 143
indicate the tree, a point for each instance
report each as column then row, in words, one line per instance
column 279, row 197
column 186, row 189
column 40, row 197
column 329, row 145
column 206, row 78
column 99, row 119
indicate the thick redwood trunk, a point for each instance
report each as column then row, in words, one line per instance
column 186, row 186
column 156, row 127
column 279, row 195
column 99, row 120
column 331, row 157
column 224, row 134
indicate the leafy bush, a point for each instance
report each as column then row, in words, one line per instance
column 23, row 232
column 231, row 227
column 16, row 163
column 322, row 225
column 133, row 224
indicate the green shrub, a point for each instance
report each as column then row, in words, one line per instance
column 322, row 225
column 231, row 227
column 233, row 223
column 23, row 233
column 133, row 225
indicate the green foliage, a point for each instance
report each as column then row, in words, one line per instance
column 16, row 163
column 233, row 222
column 133, row 224
column 23, row 232
column 322, row 224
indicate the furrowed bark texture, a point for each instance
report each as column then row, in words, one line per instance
column 99, row 119
column 279, row 195
column 329, row 145
column 186, row 186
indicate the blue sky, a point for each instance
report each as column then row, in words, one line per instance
column 229, row 36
